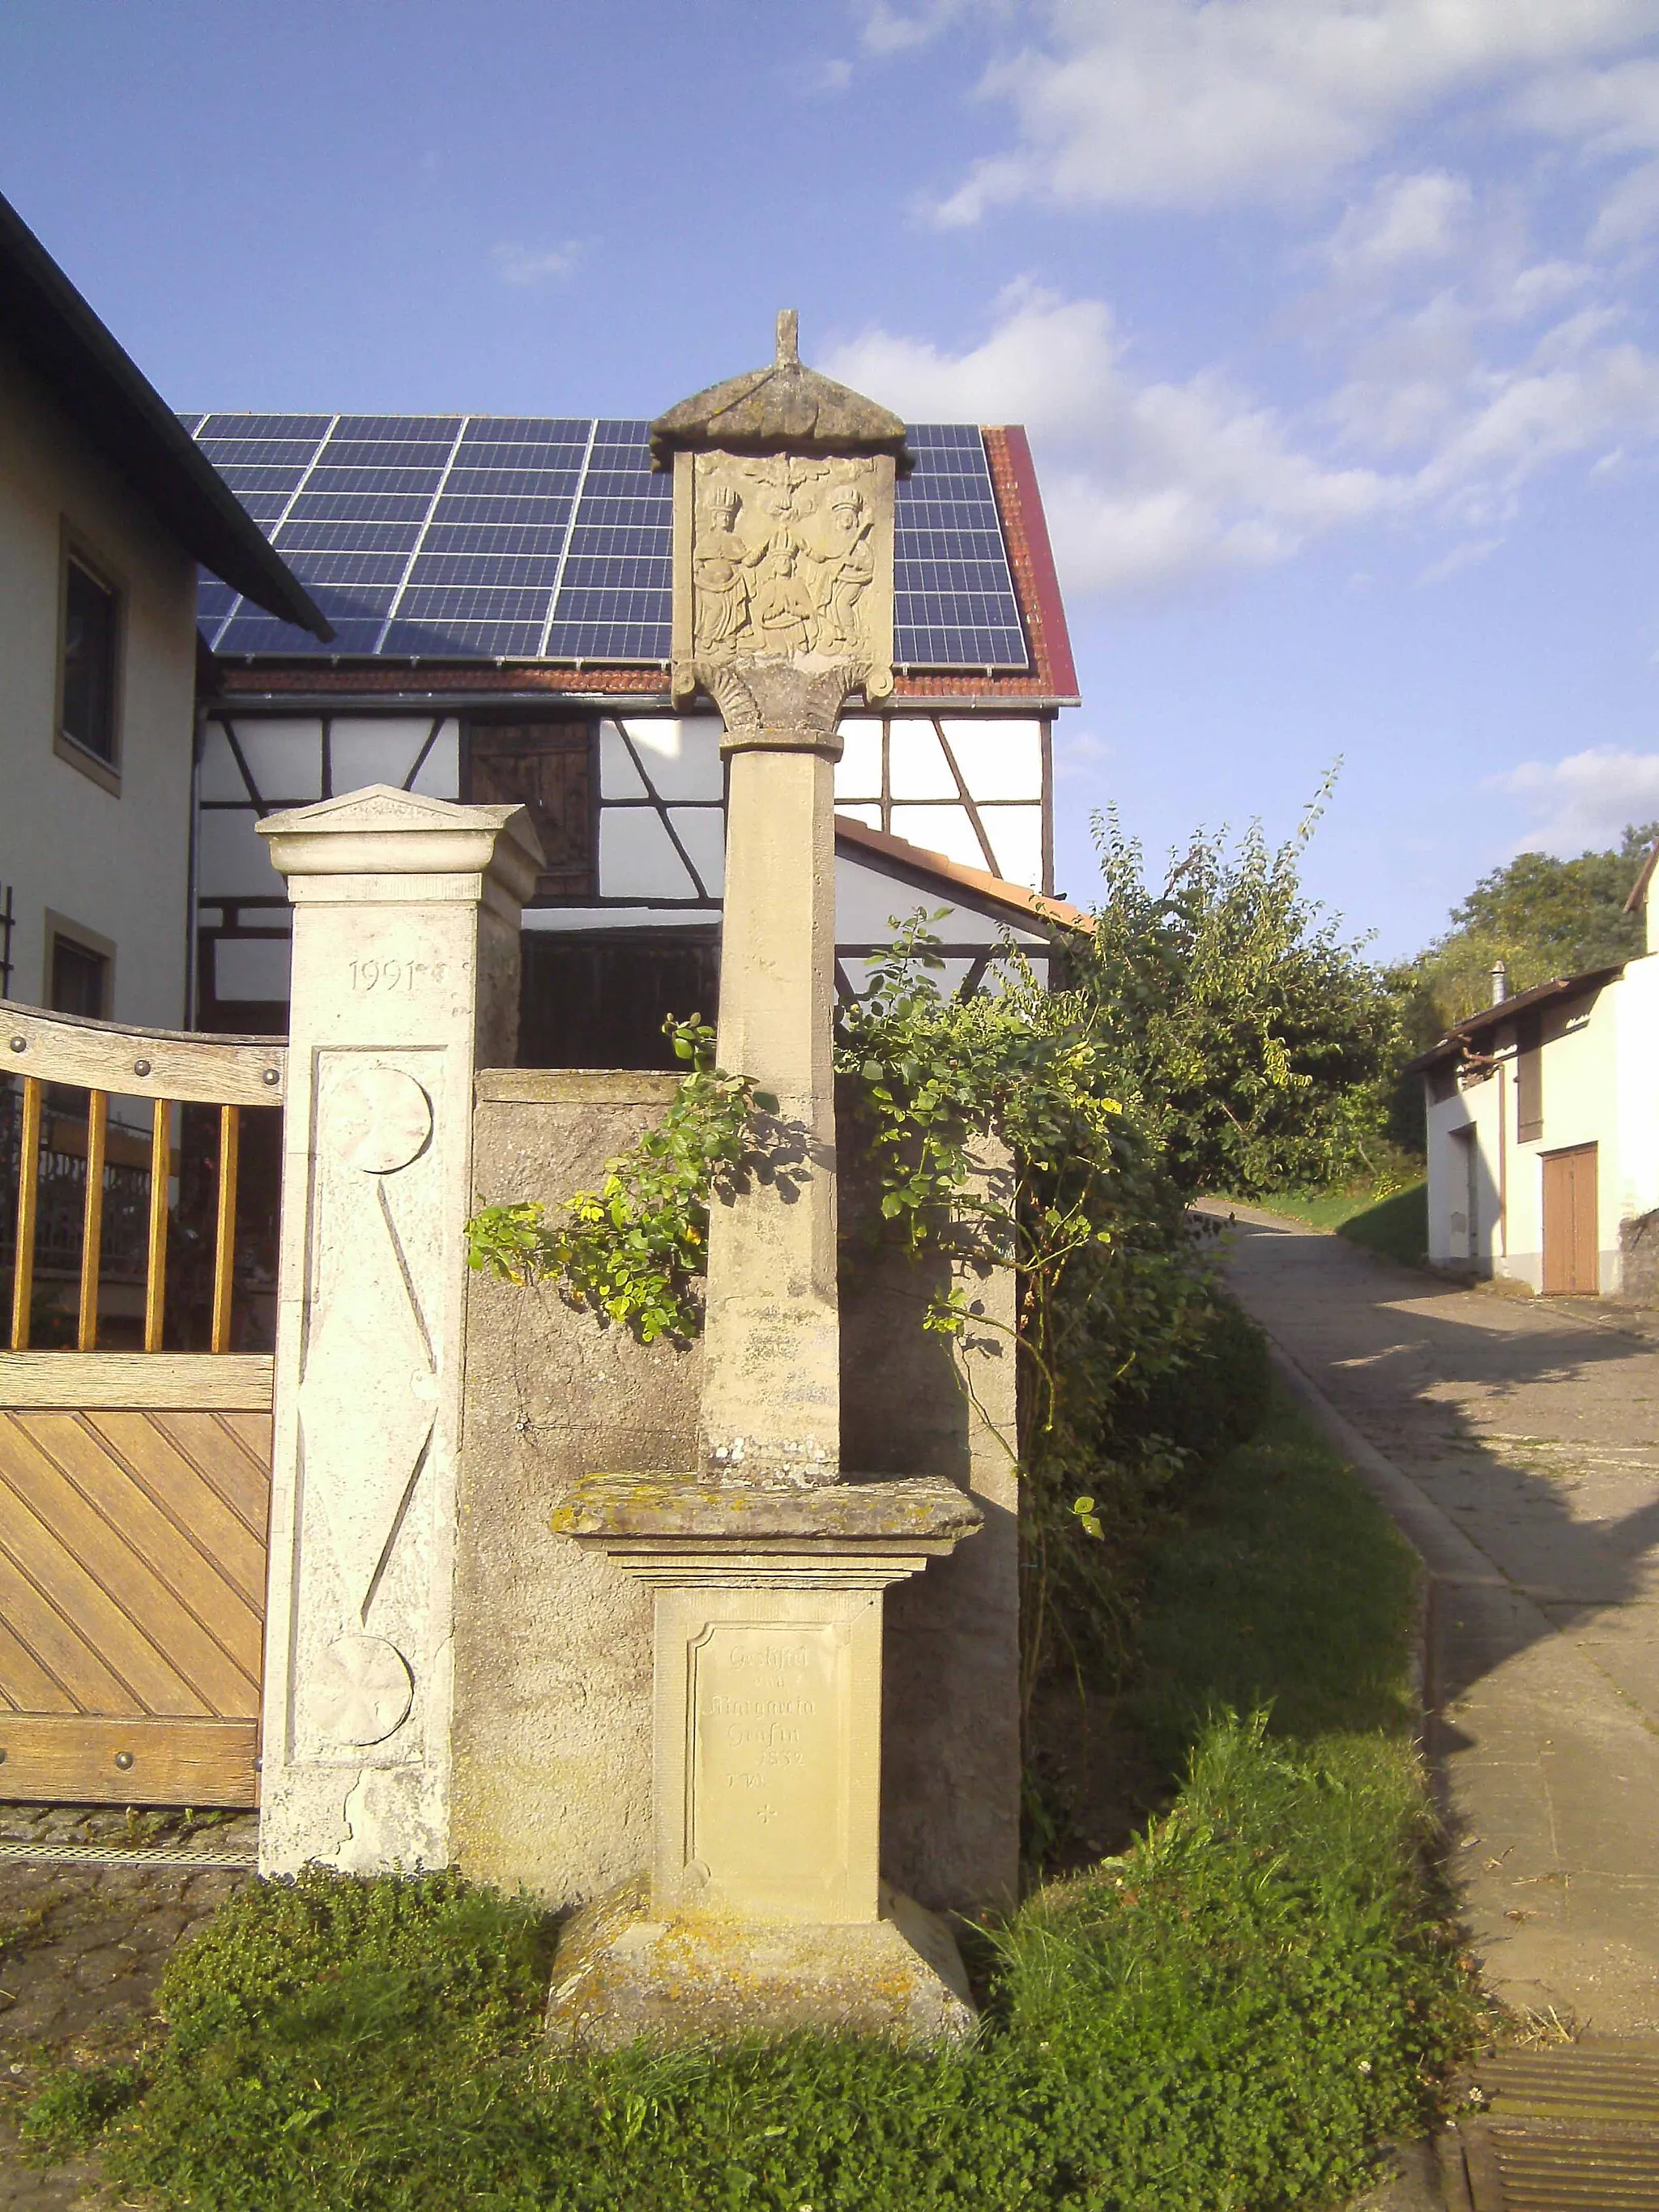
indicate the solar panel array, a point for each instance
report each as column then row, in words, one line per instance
column 489, row 536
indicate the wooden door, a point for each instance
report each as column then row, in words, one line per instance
column 1571, row 1261
column 547, row 767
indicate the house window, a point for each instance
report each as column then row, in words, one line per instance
column 91, row 623
column 547, row 767
column 79, row 979
column 1528, row 1080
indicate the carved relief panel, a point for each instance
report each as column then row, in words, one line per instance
column 783, row 558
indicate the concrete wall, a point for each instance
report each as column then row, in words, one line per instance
column 117, row 864
column 552, row 1774
column 916, row 1403
column 552, row 1646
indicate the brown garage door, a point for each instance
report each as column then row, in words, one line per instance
column 1569, row 1242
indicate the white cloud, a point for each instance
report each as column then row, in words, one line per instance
column 888, row 30
column 1403, row 220
column 831, row 75
column 1205, row 103
column 1144, row 482
column 1149, row 482
column 1469, row 555
column 526, row 266
column 1080, row 755
column 1631, row 211
column 1583, row 803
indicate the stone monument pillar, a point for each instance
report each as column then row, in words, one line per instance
column 764, row 1907
column 405, row 972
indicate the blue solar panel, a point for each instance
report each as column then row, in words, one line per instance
column 523, row 537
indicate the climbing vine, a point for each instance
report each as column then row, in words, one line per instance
column 635, row 1249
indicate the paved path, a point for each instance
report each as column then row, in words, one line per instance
column 81, row 1948
column 1522, row 1448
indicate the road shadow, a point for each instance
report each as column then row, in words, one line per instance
column 1426, row 1371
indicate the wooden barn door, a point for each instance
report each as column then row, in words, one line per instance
column 134, row 1483
column 1571, row 1260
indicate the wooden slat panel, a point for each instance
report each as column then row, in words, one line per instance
column 25, row 1684
column 231, row 1381
column 88, row 1501
column 242, row 1479
column 78, row 1562
column 252, row 1432
column 99, row 1056
column 187, row 1496
column 94, row 1462
column 58, row 1645
column 172, row 1762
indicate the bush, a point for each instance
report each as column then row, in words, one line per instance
column 1220, row 1397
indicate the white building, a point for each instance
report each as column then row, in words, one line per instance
column 1543, row 1130
column 106, row 509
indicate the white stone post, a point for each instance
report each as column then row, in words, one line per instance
column 405, row 963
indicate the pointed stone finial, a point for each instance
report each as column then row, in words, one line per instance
column 788, row 338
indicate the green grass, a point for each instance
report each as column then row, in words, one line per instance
column 1284, row 1588
column 1384, row 1218
column 1229, row 2017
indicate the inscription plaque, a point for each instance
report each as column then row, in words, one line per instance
column 770, row 1712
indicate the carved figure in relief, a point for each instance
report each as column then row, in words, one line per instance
column 723, row 562
column 843, row 626
column 785, row 605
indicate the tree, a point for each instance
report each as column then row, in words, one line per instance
column 1254, row 1038
column 1541, row 917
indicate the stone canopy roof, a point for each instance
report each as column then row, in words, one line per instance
column 785, row 405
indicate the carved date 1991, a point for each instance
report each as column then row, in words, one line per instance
column 405, row 976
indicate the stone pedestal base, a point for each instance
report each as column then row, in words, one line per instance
column 712, row 1977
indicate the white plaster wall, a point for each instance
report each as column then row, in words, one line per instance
column 282, row 757
column 1580, row 1091
column 118, row 866
column 1634, row 1190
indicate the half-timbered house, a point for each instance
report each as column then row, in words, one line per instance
column 499, row 591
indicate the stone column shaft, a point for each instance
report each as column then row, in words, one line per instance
column 771, row 1396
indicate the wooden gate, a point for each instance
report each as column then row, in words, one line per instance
column 134, row 1483
column 1571, row 1258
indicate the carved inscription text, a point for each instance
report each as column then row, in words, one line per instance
column 770, row 1719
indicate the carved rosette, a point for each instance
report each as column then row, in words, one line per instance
column 783, row 564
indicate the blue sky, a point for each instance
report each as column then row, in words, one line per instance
column 1333, row 322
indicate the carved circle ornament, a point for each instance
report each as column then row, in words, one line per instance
column 364, row 1690
column 382, row 1119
